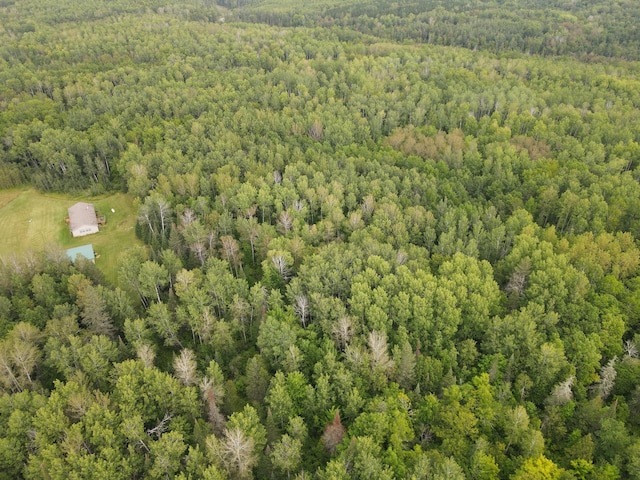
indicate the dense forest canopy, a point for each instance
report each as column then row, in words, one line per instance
column 591, row 28
column 384, row 240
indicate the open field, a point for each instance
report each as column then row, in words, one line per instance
column 30, row 220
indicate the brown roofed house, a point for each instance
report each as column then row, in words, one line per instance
column 82, row 219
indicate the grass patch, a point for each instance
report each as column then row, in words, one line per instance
column 30, row 220
column 7, row 196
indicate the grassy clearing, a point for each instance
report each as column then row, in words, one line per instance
column 30, row 220
column 7, row 196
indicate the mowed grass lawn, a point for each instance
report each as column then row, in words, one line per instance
column 30, row 220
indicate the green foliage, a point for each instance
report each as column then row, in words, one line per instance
column 368, row 255
column 544, row 28
column 539, row 468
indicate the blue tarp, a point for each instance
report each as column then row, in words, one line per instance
column 85, row 250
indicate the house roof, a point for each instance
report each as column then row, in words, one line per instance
column 85, row 250
column 82, row 214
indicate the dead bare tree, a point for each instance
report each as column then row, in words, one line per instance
column 236, row 452
column 211, row 395
column 631, row 349
column 200, row 251
column 240, row 309
column 379, row 351
column 562, row 393
column 368, row 205
column 302, row 308
column 518, row 280
column 342, row 331
column 185, row 367
column 280, row 264
column 231, row 251
column 146, row 354
column 285, row 222
column 607, row 381
column 161, row 427
column 187, row 217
